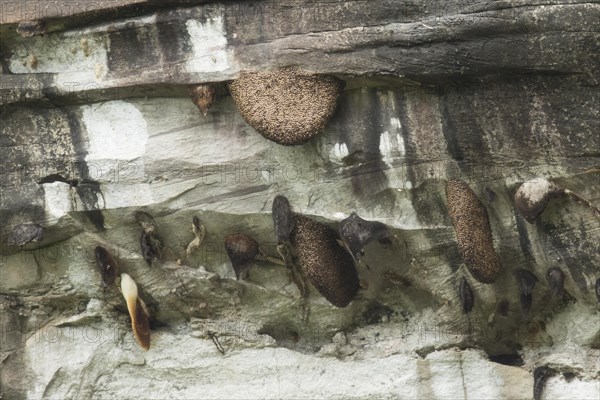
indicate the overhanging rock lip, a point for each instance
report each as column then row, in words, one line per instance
column 380, row 48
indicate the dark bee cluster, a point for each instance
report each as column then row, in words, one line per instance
column 327, row 259
column 150, row 242
column 109, row 269
column 312, row 251
column 475, row 241
column 241, row 249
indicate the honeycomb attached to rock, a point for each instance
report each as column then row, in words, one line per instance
column 328, row 266
column 473, row 232
column 287, row 106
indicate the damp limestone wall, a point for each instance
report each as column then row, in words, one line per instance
column 97, row 123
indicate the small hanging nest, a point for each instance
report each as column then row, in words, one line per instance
column 203, row 96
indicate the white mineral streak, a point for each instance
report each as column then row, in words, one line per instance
column 117, row 367
column 393, row 152
column 57, row 200
column 209, row 46
column 117, row 135
column 117, row 131
column 391, row 146
column 338, row 152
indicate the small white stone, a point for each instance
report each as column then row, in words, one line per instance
column 535, row 189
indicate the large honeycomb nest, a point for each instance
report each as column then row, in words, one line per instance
column 328, row 266
column 473, row 232
column 287, row 106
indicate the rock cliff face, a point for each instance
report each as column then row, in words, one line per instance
column 97, row 124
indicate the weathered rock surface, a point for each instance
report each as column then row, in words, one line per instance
column 96, row 124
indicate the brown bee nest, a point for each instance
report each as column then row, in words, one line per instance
column 473, row 232
column 287, row 106
column 328, row 266
column 242, row 250
column 203, row 96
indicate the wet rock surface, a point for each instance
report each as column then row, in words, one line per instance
column 97, row 125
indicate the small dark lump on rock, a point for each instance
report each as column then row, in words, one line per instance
column 25, row 233
column 283, row 219
column 109, row 268
column 357, row 233
column 467, row 299
column 241, row 249
column 31, row 28
column 526, row 281
column 532, row 197
column 203, row 96
column 556, row 280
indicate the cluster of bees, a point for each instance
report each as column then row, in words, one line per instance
column 475, row 242
column 316, row 254
column 312, row 251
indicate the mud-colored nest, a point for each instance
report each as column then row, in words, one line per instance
column 241, row 249
column 287, row 106
column 473, row 232
column 203, row 96
column 328, row 266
